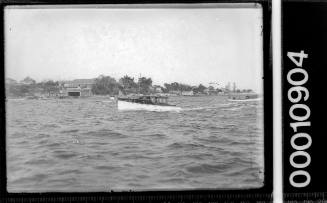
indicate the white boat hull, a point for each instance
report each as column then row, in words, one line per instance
column 130, row 106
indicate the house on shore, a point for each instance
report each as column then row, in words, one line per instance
column 188, row 93
column 174, row 92
column 77, row 87
column 157, row 89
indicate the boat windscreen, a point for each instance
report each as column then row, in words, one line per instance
column 162, row 100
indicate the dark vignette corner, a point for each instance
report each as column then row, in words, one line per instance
column 3, row 172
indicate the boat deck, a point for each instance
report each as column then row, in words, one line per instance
column 151, row 100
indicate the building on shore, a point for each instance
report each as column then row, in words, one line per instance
column 157, row 89
column 77, row 88
column 188, row 93
column 174, row 92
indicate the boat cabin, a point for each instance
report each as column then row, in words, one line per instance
column 158, row 100
column 154, row 100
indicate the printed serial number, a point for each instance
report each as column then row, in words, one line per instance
column 298, row 94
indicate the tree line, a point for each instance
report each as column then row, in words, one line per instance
column 105, row 85
column 29, row 86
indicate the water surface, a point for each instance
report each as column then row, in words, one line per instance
column 88, row 145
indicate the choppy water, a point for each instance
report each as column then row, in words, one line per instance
column 88, row 145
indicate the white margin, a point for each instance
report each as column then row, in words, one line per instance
column 277, row 101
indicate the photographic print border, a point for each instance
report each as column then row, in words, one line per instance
column 304, row 64
column 264, row 193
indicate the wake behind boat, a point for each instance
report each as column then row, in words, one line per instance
column 245, row 100
column 148, row 103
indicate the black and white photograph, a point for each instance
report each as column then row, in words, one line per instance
column 134, row 98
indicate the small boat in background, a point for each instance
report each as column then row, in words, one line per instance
column 244, row 97
column 147, row 102
column 32, row 97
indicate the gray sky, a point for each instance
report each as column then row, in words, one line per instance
column 191, row 46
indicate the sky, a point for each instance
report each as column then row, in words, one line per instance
column 186, row 45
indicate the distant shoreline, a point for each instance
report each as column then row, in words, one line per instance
column 108, row 96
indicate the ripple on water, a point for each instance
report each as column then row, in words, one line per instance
column 90, row 157
column 208, row 168
column 70, row 171
column 17, row 134
column 135, row 156
column 31, row 179
column 69, row 131
column 200, row 156
column 107, row 168
column 174, row 180
column 52, row 125
column 214, row 139
column 53, row 145
column 175, row 173
column 106, row 133
column 179, row 145
column 203, row 146
column 156, row 136
column 39, row 161
column 64, row 154
column 42, row 135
